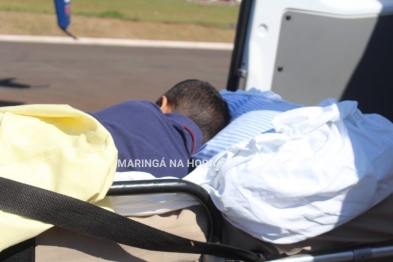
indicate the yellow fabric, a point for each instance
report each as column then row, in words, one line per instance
column 54, row 147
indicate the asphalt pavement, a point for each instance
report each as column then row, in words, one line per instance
column 94, row 77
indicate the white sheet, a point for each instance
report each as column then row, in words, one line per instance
column 324, row 166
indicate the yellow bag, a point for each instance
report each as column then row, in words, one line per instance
column 54, row 147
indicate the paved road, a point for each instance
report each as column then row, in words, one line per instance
column 94, row 77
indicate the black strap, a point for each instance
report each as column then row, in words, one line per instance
column 75, row 215
column 24, row 251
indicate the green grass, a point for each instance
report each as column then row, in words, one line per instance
column 167, row 11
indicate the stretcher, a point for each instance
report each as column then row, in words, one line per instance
column 377, row 251
column 306, row 51
column 215, row 235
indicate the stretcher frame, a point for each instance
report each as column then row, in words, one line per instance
column 361, row 253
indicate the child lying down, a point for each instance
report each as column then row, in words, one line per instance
column 301, row 172
column 149, row 136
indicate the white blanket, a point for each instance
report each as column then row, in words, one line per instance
column 324, row 166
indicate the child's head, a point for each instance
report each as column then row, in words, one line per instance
column 201, row 102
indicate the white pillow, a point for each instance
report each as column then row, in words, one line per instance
column 251, row 114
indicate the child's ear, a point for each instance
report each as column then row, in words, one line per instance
column 164, row 105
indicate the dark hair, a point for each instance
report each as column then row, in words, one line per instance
column 202, row 103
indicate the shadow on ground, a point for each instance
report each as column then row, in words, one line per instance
column 10, row 103
column 12, row 83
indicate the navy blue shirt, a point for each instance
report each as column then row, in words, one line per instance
column 150, row 141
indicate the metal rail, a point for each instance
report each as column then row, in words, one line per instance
column 124, row 188
column 359, row 254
